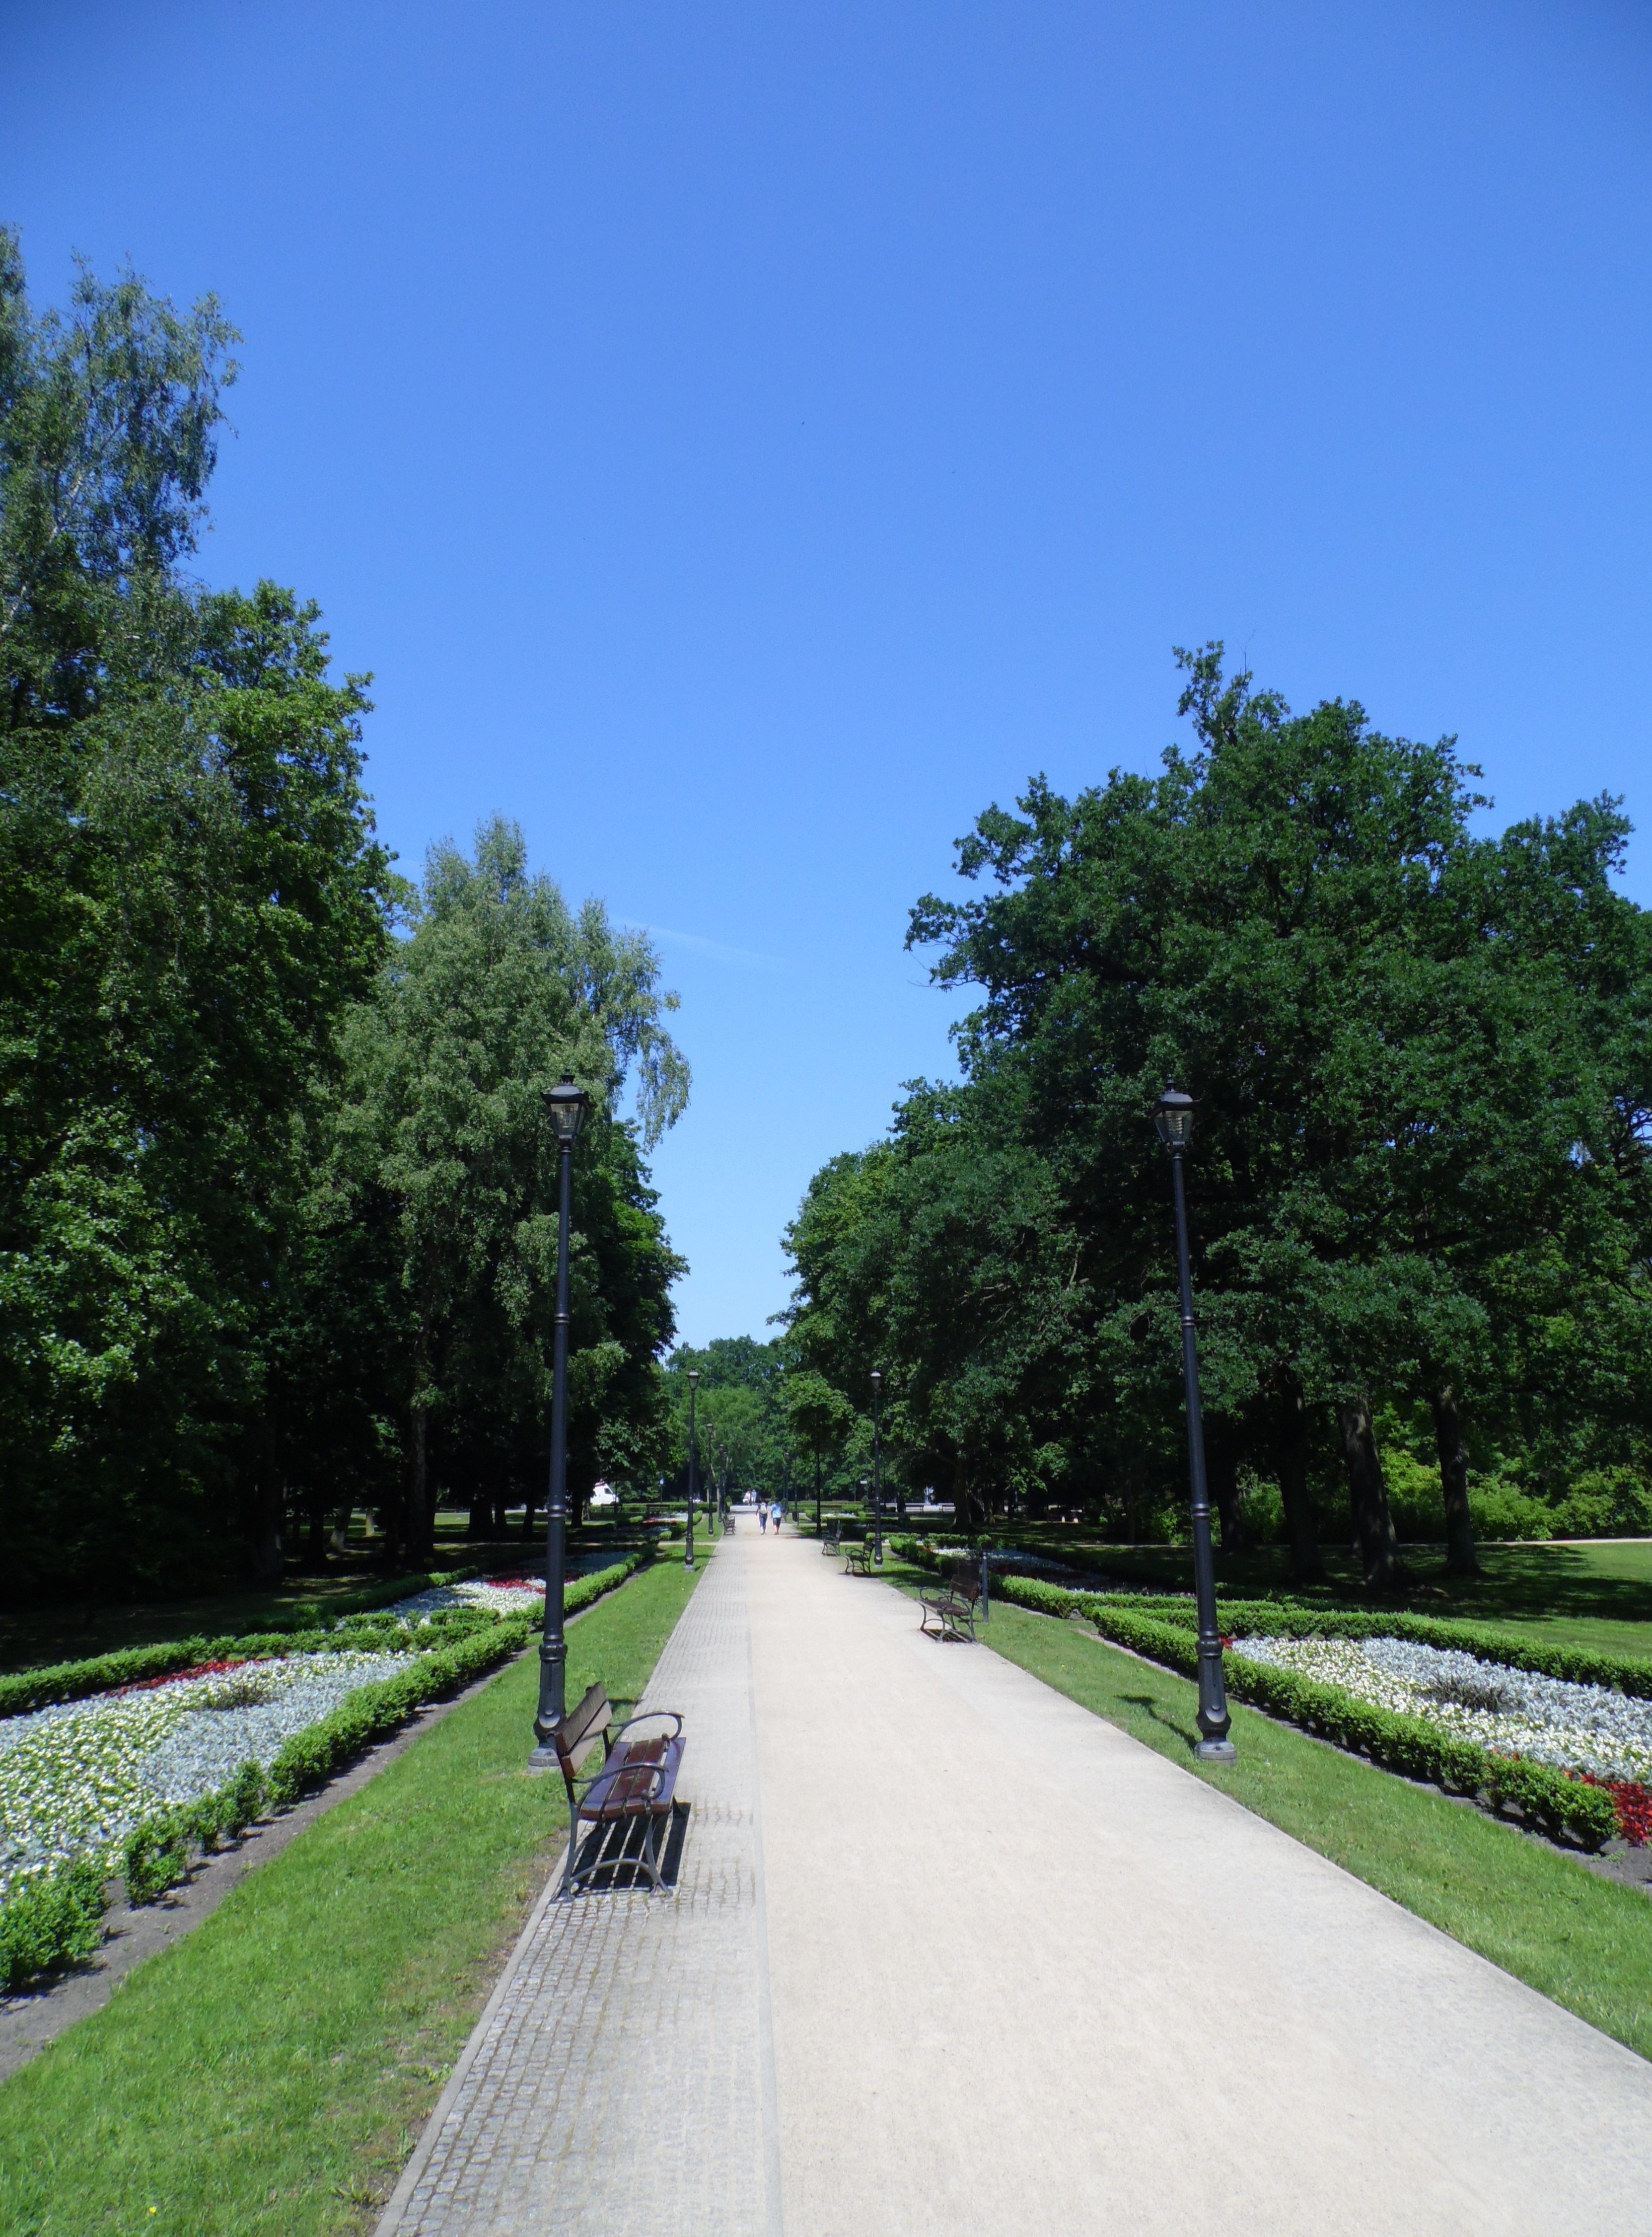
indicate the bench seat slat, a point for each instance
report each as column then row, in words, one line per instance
column 638, row 1781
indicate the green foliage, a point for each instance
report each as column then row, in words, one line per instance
column 156, row 1857
column 1421, row 1177
column 189, row 893
column 55, row 1922
column 445, row 1174
column 276, row 1206
column 744, row 1422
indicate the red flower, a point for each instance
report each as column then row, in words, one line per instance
column 1633, row 1803
column 177, row 1677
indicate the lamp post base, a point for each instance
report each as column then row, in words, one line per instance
column 1216, row 1752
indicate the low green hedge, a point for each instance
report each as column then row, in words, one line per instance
column 1564, row 1808
column 1629, row 1674
column 58, row 1921
column 311, row 1757
column 40, row 1688
column 55, row 1922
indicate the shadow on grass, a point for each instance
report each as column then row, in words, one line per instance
column 1155, row 1709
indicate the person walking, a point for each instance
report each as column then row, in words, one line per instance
column 762, row 1516
column 775, row 1515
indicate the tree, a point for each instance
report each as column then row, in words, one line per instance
column 1419, row 1059
column 189, row 895
column 498, row 991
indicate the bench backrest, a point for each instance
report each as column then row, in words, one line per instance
column 967, row 1584
column 584, row 1729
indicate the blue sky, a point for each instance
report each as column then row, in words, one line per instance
column 745, row 440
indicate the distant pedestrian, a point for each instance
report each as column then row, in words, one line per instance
column 762, row 1516
column 775, row 1515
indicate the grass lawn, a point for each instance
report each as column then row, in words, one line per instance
column 270, row 2073
column 1584, row 1941
column 1597, row 1594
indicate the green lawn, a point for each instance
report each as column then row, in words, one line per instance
column 1592, row 1594
column 1582, row 1940
column 270, row 2073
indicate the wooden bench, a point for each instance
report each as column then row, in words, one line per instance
column 857, row 1560
column 637, row 1781
column 829, row 1541
column 949, row 1611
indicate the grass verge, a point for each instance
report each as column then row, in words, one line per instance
column 1583, row 1941
column 270, row 2073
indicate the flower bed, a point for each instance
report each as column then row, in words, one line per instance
column 495, row 1595
column 163, row 1761
column 1578, row 1728
column 76, row 1778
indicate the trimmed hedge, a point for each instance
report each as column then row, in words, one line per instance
column 40, row 1688
column 58, row 1921
column 1563, row 1807
column 1629, row 1674
column 55, row 1922
column 311, row 1757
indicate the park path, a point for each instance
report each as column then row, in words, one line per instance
column 983, row 1963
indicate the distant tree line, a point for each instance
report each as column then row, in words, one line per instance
column 1420, row 1185
column 277, row 1215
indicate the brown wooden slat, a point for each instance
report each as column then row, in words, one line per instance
column 584, row 1729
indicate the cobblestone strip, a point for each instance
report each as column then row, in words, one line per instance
column 620, row 2080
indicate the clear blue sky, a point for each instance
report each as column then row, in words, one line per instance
column 746, row 441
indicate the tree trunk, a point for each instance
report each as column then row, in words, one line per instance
column 315, row 1551
column 1461, row 1558
column 1223, row 1475
column 339, row 1540
column 420, row 1536
column 1308, row 1565
column 268, row 1553
column 1373, row 1525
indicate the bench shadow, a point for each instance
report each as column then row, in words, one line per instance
column 612, row 1855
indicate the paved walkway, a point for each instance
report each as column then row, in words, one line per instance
column 1024, row 1975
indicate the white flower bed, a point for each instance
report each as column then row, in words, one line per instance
column 75, row 1778
column 1001, row 1560
column 1515, row 1712
column 514, row 1598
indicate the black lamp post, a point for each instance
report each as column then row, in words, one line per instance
column 693, row 1463
column 817, row 1491
column 1174, row 1119
column 566, row 1107
column 877, row 1467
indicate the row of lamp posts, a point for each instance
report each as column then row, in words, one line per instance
column 567, row 1106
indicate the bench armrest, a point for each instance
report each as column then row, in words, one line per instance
column 648, row 1717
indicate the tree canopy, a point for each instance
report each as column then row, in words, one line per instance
column 272, row 1212
column 1421, row 1063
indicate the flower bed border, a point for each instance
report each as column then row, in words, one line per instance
column 1566, row 1809
column 59, row 1920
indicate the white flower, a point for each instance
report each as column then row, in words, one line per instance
column 76, row 1778
column 1515, row 1712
